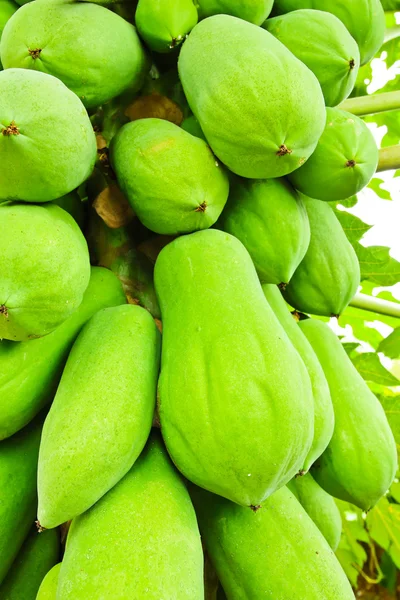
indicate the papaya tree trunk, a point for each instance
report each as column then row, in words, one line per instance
column 376, row 305
column 372, row 104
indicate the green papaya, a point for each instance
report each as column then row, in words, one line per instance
column 141, row 540
column 241, row 373
column 165, row 25
column 81, row 458
column 30, row 371
column 364, row 19
column 260, row 108
column 47, row 140
column 391, row 4
column 254, row 11
column 191, row 125
column 171, row 178
column 324, row 418
column 104, row 57
column 7, row 9
column 48, row 587
column 38, row 554
column 18, row 468
column 74, row 206
column 269, row 218
column 276, row 554
column 329, row 274
column 34, row 302
column 320, row 506
column 360, row 462
column 344, row 161
column 322, row 42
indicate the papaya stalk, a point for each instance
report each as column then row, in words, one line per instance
column 389, row 159
column 372, row 104
column 376, row 305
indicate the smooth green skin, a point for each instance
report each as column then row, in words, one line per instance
column 18, row 468
column 55, row 149
column 324, row 418
column 139, row 541
column 391, row 4
column 191, row 125
column 277, row 553
column 38, row 554
column 167, row 174
column 165, row 25
column 30, row 371
column 269, row 218
column 48, row 587
column 364, row 19
column 254, row 11
column 74, row 206
column 225, row 68
column 329, row 274
column 360, row 462
column 320, row 506
column 322, row 42
column 35, row 302
column 82, row 457
column 104, row 56
column 228, row 369
column 7, row 9
column 328, row 174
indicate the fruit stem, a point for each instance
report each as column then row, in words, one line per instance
column 389, row 159
column 376, row 305
column 391, row 33
column 372, row 104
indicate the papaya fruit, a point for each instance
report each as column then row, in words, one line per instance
column 141, row 540
column 47, row 141
column 320, row 506
column 191, row 125
column 276, row 553
column 269, row 218
column 241, row 373
column 391, row 4
column 171, row 178
column 259, row 125
column 324, row 418
column 39, row 553
column 30, row 371
column 74, row 206
column 364, row 19
column 321, row 41
column 104, row 57
column 344, row 161
column 81, row 458
column 48, row 587
column 7, row 9
column 360, row 462
column 18, row 468
column 34, row 302
column 165, row 25
column 329, row 274
column 254, row 11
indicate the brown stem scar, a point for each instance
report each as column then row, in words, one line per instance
column 4, row 311
column 352, row 64
column 283, row 150
column 255, row 508
column 202, row 207
column 282, row 286
column 301, row 473
column 351, row 163
column 35, row 53
column 12, row 129
column 39, row 527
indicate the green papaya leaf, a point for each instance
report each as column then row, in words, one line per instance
column 371, row 369
column 377, row 265
column 390, row 346
column 351, row 554
column 390, row 120
column 376, row 185
column 383, row 524
column 389, row 572
column 353, row 227
column 350, row 347
column 391, row 405
column 395, row 491
column 349, row 202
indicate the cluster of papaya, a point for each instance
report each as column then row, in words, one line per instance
column 167, row 174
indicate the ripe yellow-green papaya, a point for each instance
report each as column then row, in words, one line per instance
column 30, row 371
column 320, row 506
column 163, row 24
column 278, row 553
column 322, row 42
column 228, row 369
column 254, row 11
column 113, row 367
column 48, row 587
column 260, row 108
column 47, row 140
column 141, row 540
column 104, row 56
column 170, row 177
column 269, row 218
column 329, row 274
column 360, row 462
column 38, row 554
column 343, row 162
column 364, row 19
column 7, row 9
column 324, row 418
column 18, row 468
